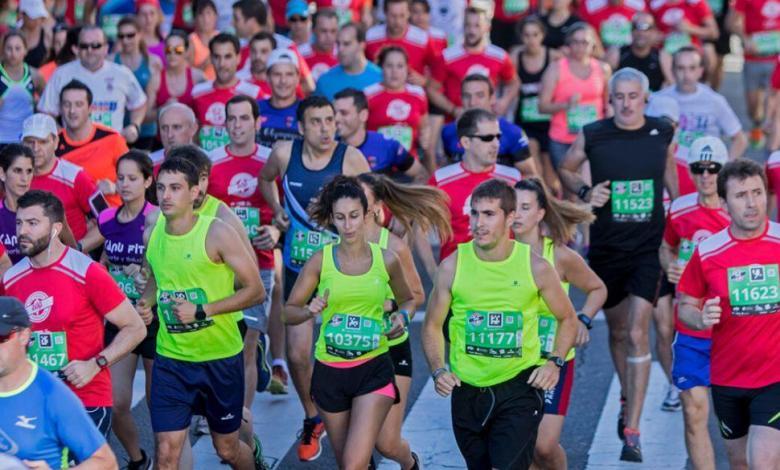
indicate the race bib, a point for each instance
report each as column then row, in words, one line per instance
column 186, row 14
column 529, row 110
column 548, row 327
column 767, row 42
column 716, row 6
column 344, row 15
column 632, row 201
column 754, row 289
column 250, row 217
column 494, row 334
column 305, row 243
column 514, row 7
column 101, row 117
column 676, row 41
column 352, row 336
column 165, row 303
column 49, row 349
column 125, row 282
column 686, row 138
column 212, row 137
column 110, row 25
column 579, row 116
column 616, row 33
column 685, row 251
column 402, row 134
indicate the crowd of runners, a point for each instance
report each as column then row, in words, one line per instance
column 245, row 197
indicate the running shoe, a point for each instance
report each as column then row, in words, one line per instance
column 263, row 368
column 278, row 385
column 632, row 450
column 672, row 400
column 144, row 464
column 756, row 138
column 417, row 463
column 259, row 461
column 201, row 426
column 621, row 422
column 311, row 436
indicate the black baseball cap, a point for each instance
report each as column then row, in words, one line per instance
column 12, row 315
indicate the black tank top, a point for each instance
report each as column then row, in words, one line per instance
column 37, row 54
column 531, row 84
column 650, row 65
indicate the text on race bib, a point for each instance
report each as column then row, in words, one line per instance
column 351, row 336
column 125, row 282
column 529, row 110
column 616, row 33
column 250, row 217
column 49, row 349
column 548, row 327
column 513, row 7
column 686, row 249
column 166, row 302
column 212, row 137
column 494, row 334
column 402, row 134
column 754, row 289
column 676, row 41
column 305, row 243
column 580, row 116
column 632, row 201
column 767, row 42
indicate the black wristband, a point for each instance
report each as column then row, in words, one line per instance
column 585, row 320
column 582, row 193
column 200, row 313
column 435, row 374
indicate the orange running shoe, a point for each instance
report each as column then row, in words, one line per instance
column 311, row 436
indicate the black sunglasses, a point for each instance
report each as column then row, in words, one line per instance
column 296, row 19
column 486, row 137
column 125, row 35
column 711, row 168
column 95, row 46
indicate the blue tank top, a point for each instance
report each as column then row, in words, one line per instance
column 8, row 233
column 277, row 123
column 301, row 186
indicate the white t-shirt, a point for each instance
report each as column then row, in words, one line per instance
column 114, row 89
column 703, row 112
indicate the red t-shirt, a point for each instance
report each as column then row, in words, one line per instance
column 318, row 61
column 509, row 11
column 744, row 274
column 438, row 40
column 347, row 10
column 397, row 114
column 773, row 174
column 591, row 10
column 761, row 17
column 70, row 296
column 74, row 188
column 456, row 63
column 668, row 13
column 459, row 183
column 613, row 23
column 415, row 42
column 776, row 75
column 210, row 110
column 233, row 180
column 687, row 224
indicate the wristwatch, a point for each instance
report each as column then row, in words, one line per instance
column 200, row 314
column 585, row 320
column 405, row 315
column 101, row 361
column 582, row 193
column 557, row 361
column 438, row 373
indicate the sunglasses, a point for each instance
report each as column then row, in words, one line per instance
column 94, row 46
column 296, row 19
column 7, row 337
column 699, row 169
column 486, row 137
column 642, row 26
column 178, row 50
column 121, row 36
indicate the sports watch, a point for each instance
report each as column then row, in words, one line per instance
column 586, row 320
column 101, row 361
column 557, row 361
column 200, row 314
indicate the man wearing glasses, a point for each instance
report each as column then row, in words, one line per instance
column 641, row 53
column 114, row 87
column 693, row 218
column 631, row 160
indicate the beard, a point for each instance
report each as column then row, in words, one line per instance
column 38, row 246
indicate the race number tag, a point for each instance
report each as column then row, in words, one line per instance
column 548, row 327
column 494, row 334
column 212, row 137
column 110, row 25
column 529, row 110
column 125, row 282
column 616, row 32
column 402, row 134
column 716, row 6
column 514, row 7
column 767, row 42
column 250, row 217
column 686, row 138
column 305, row 243
column 49, row 349
column 676, row 41
column 579, row 116
column 632, row 201
column 686, row 250
column 352, row 336
column 165, row 304
column 754, row 289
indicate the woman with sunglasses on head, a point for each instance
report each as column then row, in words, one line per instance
column 18, row 86
column 133, row 54
column 353, row 383
column 175, row 82
column 123, row 252
column 410, row 205
column 547, row 224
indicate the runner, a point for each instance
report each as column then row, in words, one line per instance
column 420, row 16
column 693, row 218
column 61, row 424
column 123, row 254
column 641, row 52
column 278, row 112
column 178, row 126
column 384, row 155
column 198, row 367
column 297, row 17
column 260, row 47
column 683, row 23
column 353, row 384
column 537, row 213
column 233, row 181
column 320, row 54
column 305, row 166
column 730, row 285
column 353, row 70
column 612, row 20
column 16, row 162
column 628, row 199
column 558, row 21
column 20, row 86
column 68, row 297
column 496, row 386
column 409, row 205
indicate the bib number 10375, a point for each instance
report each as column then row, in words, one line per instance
column 754, row 289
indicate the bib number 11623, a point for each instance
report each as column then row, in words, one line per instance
column 754, row 289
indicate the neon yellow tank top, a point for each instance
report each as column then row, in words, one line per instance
column 548, row 325
column 183, row 269
column 353, row 323
column 494, row 324
column 384, row 241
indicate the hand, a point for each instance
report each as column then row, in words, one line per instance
column 36, row 464
column 446, row 383
column 281, row 220
column 684, row 26
column 415, row 78
column 573, row 101
column 318, row 304
column 674, row 271
column 80, row 373
column 130, row 133
column 398, row 327
column 599, row 194
column 711, row 312
column 107, row 186
column 583, row 335
column 144, row 311
column 132, row 269
column 266, row 238
column 140, row 279
column 545, row 377
column 184, row 310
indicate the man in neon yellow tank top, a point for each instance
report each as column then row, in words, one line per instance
column 493, row 286
column 194, row 261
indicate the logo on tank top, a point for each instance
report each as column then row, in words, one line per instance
column 399, row 110
column 672, row 16
column 216, row 114
column 478, row 69
column 38, row 306
column 242, row 185
column 476, row 319
column 771, row 10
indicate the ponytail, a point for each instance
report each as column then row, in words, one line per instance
column 560, row 217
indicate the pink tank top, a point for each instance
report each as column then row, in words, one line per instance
column 163, row 94
column 565, row 125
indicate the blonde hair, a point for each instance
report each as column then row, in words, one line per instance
column 560, row 217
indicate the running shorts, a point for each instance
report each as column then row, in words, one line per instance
column 101, row 416
column 147, row 348
column 256, row 316
column 690, row 361
column 333, row 388
column 636, row 274
column 401, row 355
column 556, row 401
column 739, row 408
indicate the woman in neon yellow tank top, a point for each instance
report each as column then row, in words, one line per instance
column 547, row 224
column 426, row 207
column 353, row 372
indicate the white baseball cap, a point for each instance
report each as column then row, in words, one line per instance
column 33, row 8
column 39, row 125
column 663, row 106
column 708, row 149
column 282, row 56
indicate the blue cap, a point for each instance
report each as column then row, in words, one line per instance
column 297, row 7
